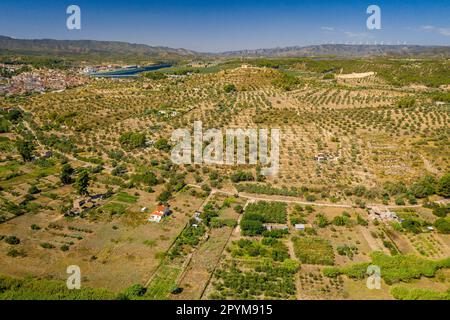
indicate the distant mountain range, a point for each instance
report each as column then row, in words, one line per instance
column 344, row 50
column 89, row 48
column 124, row 50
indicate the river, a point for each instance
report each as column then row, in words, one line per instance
column 132, row 72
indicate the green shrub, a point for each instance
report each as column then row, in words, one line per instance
column 47, row 245
column 136, row 290
column 132, row 140
column 16, row 253
column 443, row 225
column 361, row 221
column 229, row 88
column 242, row 176
column 331, row 272
column 12, row 240
column 443, row 186
column 154, row 75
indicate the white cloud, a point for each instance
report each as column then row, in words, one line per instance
column 441, row 31
column 430, row 28
column 358, row 35
column 327, row 28
column 444, row 31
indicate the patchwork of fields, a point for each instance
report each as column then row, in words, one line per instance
column 363, row 180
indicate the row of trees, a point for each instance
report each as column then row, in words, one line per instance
column 422, row 188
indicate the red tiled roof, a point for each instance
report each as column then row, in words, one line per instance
column 159, row 211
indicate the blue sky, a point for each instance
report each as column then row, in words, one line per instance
column 215, row 26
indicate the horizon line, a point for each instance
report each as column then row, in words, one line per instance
column 236, row 50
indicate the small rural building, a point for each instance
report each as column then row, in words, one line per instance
column 321, row 157
column 197, row 216
column 383, row 214
column 84, row 204
column 302, row 227
column 160, row 212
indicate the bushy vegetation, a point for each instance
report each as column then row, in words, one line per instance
column 268, row 280
column 404, row 293
column 242, row 176
column 347, row 250
column 442, row 96
column 262, row 270
column 154, row 75
column 162, row 144
column 343, row 220
column 406, row 102
column 25, row 149
column 147, row 178
column 393, row 268
column 266, row 189
column 132, row 140
column 256, row 214
column 229, row 88
column 443, row 225
column 286, row 82
column 267, row 247
column 40, row 289
column 189, row 238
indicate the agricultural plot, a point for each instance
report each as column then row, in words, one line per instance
column 255, row 270
column 428, row 245
column 314, row 285
column 313, row 250
column 197, row 273
column 201, row 264
column 163, row 283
